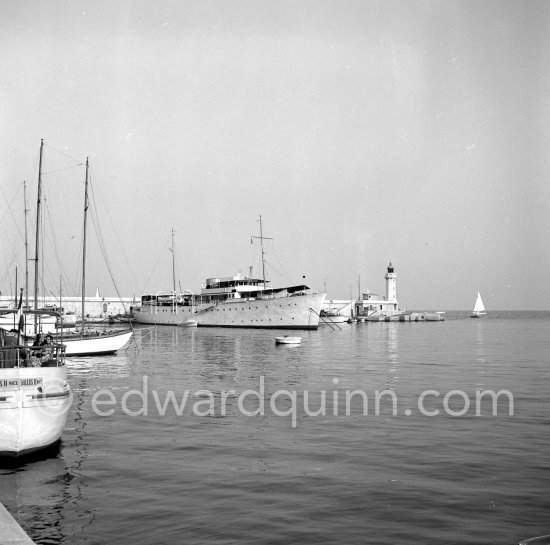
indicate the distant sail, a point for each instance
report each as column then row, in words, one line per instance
column 479, row 308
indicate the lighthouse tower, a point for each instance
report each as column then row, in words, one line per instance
column 391, row 285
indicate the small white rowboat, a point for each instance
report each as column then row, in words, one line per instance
column 288, row 340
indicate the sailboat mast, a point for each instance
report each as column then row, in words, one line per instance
column 15, row 287
column 26, row 246
column 84, row 243
column 37, row 239
column 173, row 264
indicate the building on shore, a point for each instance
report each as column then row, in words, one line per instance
column 374, row 305
column 370, row 304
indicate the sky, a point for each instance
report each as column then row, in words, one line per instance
column 362, row 132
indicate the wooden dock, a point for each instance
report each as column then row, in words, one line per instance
column 10, row 532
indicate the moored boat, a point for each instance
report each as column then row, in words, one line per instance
column 234, row 301
column 34, row 395
column 287, row 339
column 95, row 343
column 86, row 342
column 332, row 317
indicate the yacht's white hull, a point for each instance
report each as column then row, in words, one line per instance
column 164, row 315
column 293, row 312
column 95, row 343
column 31, row 418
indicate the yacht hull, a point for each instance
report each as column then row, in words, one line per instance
column 293, row 312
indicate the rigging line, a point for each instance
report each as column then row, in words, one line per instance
column 97, row 223
column 11, row 211
column 106, row 259
column 78, row 279
column 7, row 271
column 14, row 256
column 97, row 229
column 136, row 283
column 53, row 241
column 177, row 269
column 61, row 169
column 64, row 154
column 156, row 265
column 277, row 271
column 284, row 273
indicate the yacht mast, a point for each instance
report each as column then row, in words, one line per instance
column 84, row 244
column 173, row 264
column 26, row 246
column 37, row 240
column 262, row 238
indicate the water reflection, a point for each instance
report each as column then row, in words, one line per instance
column 99, row 366
column 46, row 491
column 392, row 354
column 34, row 493
column 480, row 341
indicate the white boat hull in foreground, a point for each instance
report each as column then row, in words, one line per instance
column 33, row 408
column 101, row 343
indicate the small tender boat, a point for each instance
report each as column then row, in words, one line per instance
column 189, row 323
column 288, row 340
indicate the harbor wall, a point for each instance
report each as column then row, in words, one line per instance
column 95, row 307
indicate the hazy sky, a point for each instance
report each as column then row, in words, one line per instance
column 361, row 131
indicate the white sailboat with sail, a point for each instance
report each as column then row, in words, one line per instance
column 479, row 308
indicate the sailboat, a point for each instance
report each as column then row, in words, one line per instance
column 479, row 308
column 87, row 342
column 83, row 342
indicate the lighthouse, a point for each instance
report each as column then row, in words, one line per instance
column 391, row 285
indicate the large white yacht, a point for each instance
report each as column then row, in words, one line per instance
column 234, row 301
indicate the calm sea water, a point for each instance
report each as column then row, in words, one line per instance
column 213, row 472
